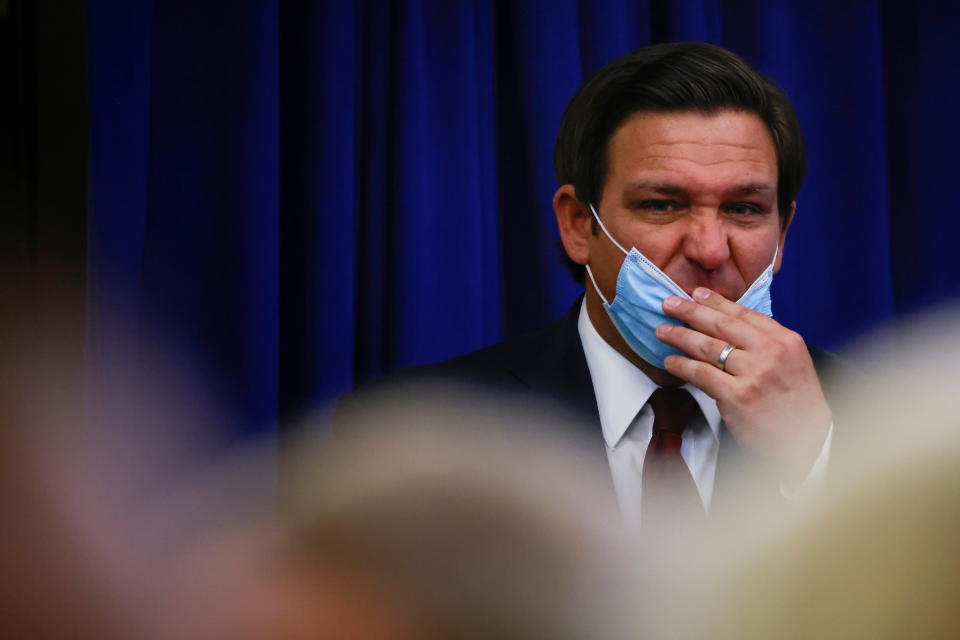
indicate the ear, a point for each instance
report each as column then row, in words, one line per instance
column 784, row 225
column 574, row 222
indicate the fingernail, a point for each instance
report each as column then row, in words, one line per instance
column 701, row 294
column 664, row 329
column 672, row 302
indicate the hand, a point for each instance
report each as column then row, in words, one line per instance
column 768, row 393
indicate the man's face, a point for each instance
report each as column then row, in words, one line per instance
column 696, row 193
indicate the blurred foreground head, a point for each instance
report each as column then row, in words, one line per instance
column 116, row 503
column 127, row 516
column 437, row 520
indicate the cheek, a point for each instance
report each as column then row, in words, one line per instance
column 753, row 254
column 605, row 262
column 659, row 243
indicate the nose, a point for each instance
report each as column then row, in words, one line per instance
column 706, row 243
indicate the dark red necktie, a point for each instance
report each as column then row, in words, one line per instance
column 670, row 496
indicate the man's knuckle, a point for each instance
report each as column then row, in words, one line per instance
column 795, row 341
column 695, row 370
column 707, row 350
column 741, row 312
column 725, row 324
column 748, row 393
column 776, row 349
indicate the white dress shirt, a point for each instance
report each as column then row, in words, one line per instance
column 622, row 391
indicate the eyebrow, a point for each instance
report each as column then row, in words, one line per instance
column 670, row 189
column 752, row 187
column 665, row 188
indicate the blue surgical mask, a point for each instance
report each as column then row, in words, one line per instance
column 637, row 307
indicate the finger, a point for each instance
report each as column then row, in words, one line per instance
column 714, row 300
column 716, row 324
column 701, row 347
column 715, row 383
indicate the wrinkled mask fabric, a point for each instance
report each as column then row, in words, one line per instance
column 637, row 307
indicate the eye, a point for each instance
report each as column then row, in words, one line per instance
column 657, row 206
column 743, row 208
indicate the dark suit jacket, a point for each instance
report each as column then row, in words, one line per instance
column 550, row 365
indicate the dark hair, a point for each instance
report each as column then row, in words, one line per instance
column 670, row 77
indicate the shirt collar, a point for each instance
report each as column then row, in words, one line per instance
column 622, row 388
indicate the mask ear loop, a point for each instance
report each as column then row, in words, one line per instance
column 593, row 280
column 615, row 243
column 763, row 277
column 607, row 233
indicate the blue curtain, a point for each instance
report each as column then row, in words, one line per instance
column 304, row 195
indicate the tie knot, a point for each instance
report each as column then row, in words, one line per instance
column 672, row 409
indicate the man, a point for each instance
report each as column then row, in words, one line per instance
column 688, row 161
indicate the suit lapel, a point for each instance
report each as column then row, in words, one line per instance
column 553, row 366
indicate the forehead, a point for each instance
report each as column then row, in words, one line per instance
column 693, row 146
